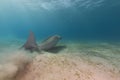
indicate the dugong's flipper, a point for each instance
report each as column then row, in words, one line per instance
column 50, row 42
column 31, row 43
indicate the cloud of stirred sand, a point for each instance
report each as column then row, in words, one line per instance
column 12, row 64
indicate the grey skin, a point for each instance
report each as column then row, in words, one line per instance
column 31, row 43
column 50, row 42
column 47, row 44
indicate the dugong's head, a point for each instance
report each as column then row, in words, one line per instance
column 57, row 37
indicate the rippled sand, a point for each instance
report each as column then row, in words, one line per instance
column 78, row 61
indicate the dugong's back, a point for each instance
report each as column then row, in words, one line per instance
column 50, row 43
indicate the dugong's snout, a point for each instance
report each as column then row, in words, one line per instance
column 58, row 37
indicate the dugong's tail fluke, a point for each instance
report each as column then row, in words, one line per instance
column 31, row 43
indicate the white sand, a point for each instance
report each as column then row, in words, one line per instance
column 77, row 62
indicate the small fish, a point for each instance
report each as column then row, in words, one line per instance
column 50, row 42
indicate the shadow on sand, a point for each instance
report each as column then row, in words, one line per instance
column 56, row 49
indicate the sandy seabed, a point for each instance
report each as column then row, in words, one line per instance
column 76, row 62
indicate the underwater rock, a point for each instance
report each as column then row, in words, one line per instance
column 50, row 42
column 31, row 43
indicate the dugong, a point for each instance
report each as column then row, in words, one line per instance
column 49, row 43
column 31, row 43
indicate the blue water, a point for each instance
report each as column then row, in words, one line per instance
column 72, row 19
column 97, row 22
